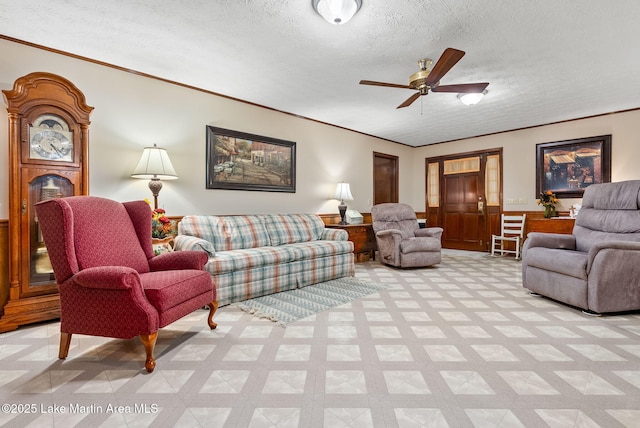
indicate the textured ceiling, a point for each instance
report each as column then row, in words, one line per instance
column 546, row 61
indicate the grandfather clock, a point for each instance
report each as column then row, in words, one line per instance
column 48, row 158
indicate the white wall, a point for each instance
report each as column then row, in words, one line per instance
column 519, row 154
column 132, row 112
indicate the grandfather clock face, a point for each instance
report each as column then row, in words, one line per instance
column 50, row 139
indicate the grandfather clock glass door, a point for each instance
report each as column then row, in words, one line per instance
column 40, row 188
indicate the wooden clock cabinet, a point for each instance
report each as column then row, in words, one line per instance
column 48, row 158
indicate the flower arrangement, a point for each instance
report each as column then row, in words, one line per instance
column 160, row 223
column 548, row 200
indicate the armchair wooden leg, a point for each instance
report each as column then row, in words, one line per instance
column 213, row 307
column 65, row 341
column 149, row 342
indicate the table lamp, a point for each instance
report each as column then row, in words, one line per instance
column 154, row 164
column 343, row 193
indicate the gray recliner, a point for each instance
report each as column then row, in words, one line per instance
column 401, row 241
column 597, row 268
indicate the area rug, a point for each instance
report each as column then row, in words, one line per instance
column 289, row 306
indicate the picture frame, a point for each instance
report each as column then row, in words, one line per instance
column 241, row 161
column 567, row 167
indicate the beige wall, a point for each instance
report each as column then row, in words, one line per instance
column 519, row 154
column 132, row 112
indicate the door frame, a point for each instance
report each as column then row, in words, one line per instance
column 492, row 212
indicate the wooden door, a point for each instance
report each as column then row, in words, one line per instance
column 463, row 212
column 464, row 196
column 385, row 178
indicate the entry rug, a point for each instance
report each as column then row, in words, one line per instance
column 289, row 306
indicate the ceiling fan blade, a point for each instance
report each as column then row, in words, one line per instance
column 388, row 85
column 448, row 59
column 463, row 88
column 410, row 100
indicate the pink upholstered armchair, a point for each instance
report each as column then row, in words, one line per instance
column 111, row 283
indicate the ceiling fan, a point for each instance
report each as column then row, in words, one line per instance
column 429, row 78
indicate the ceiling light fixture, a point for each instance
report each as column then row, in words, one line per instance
column 336, row 12
column 472, row 98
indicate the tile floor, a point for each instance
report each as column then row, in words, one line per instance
column 458, row 345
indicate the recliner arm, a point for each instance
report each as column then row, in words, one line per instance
column 618, row 251
column 551, row 240
column 433, row 232
column 389, row 245
column 548, row 240
column 177, row 260
column 108, row 277
column 613, row 269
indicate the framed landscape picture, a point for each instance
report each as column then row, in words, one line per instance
column 241, row 161
column 568, row 167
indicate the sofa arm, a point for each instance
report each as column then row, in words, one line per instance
column 108, row 277
column 177, row 260
column 433, row 232
column 329, row 234
column 187, row 242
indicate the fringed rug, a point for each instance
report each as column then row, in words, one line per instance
column 289, row 306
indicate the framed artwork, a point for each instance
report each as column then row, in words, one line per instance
column 241, row 161
column 568, row 167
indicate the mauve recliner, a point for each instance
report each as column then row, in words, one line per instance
column 401, row 241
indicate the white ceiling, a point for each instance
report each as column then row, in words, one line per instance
column 546, row 60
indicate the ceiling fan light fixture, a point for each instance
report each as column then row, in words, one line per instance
column 472, row 98
column 336, row 12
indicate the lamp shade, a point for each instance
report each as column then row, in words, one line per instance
column 154, row 163
column 337, row 11
column 343, row 192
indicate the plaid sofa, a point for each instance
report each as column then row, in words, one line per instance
column 255, row 255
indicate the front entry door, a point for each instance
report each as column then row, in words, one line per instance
column 463, row 212
column 464, row 195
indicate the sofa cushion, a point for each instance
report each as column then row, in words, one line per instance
column 226, row 232
column 292, row 228
column 236, row 260
column 317, row 249
column 567, row 262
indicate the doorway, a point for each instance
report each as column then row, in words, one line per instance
column 385, row 178
column 464, row 196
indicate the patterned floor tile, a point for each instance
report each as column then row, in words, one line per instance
column 460, row 344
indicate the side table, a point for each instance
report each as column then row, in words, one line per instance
column 549, row 225
column 364, row 241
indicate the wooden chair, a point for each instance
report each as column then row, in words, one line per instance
column 512, row 230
